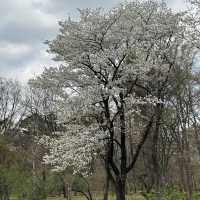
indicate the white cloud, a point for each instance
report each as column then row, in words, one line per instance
column 32, row 67
column 178, row 5
column 14, row 50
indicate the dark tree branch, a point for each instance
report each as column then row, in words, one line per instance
column 140, row 145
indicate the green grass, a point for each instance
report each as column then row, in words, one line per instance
column 111, row 197
column 135, row 197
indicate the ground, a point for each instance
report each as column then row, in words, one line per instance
column 135, row 197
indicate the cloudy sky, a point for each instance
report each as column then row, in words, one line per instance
column 26, row 24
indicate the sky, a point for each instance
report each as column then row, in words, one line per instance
column 27, row 24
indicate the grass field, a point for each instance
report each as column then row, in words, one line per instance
column 135, row 197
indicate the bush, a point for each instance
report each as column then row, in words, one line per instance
column 33, row 189
column 172, row 193
column 5, row 188
column 38, row 190
column 196, row 196
column 79, row 184
column 168, row 193
column 54, row 184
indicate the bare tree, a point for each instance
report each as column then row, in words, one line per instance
column 11, row 104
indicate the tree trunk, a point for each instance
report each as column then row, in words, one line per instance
column 64, row 191
column 187, row 164
column 155, row 153
column 181, row 170
column 121, row 178
column 188, row 174
column 106, row 189
column 120, row 187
